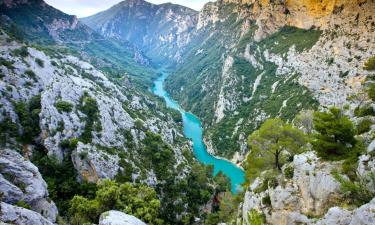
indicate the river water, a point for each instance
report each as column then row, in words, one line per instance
column 193, row 130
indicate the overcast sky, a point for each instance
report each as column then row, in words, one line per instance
column 83, row 8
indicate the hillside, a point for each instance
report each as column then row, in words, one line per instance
column 37, row 22
column 161, row 31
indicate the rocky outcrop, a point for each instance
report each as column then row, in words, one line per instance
column 20, row 181
column 118, row 218
column 312, row 192
column 70, row 80
column 10, row 214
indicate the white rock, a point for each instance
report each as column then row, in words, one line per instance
column 118, row 218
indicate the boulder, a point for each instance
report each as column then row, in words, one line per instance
column 20, row 216
column 21, row 180
column 118, row 218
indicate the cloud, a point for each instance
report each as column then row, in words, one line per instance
column 83, row 8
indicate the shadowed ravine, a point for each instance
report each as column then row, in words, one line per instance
column 193, row 130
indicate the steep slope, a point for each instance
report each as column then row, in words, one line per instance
column 70, row 119
column 37, row 22
column 161, row 31
column 251, row 60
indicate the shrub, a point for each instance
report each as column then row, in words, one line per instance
column 266, row 200
column 289, row 172
column 30, row 74
column 39, row 62
column 370, row 64
column 364, row 126
column 23, row 204
column 371, row 92
column 7, row 64
column 356, row 193
column 255, row 218
column 335, row 134
column 63, row 106
column 23, row 52
column 138, row 200
column 28, row 115
column 367, row 110
column 70, row 144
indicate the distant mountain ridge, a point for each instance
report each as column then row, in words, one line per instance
column 41, row 23
column 161, row 31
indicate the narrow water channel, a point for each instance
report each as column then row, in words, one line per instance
column 193, row 130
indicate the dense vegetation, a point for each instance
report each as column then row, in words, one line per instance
column 134, row 199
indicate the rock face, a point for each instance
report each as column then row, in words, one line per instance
column 118, row 218
column 70, row 81
column 20, row 216
column 161, row 31
column 20, row 180
column 287, row 56
column 312, row 192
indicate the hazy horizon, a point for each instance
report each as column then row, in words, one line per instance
column 83, row 8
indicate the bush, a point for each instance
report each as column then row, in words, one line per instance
column 335, row 134
column 364, row 126
column 7, row 64
column 39, row 62
column 289, row 172
column 255, row 218
column 138, row 200
column 371, row 92
column 357, row 193
column 28, row 115
column 30, row 74
column 23, row 204
column 70, row 144
column 367, row 110
column 370, row 64
column 23, row 52
column 63, row 106
column 89, row 107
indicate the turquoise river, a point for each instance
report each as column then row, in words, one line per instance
column 193, row 130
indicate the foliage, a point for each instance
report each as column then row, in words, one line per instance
column 69, row 144
column 364, row 126
column 371, row 91
column 366, row 110
column 6, row 63
column 227, row 211
column 255, row 218
column 357, row 193
column 39, row 62
column 30, row 74
column 63, row 106
column 89, row 107
column 8, row 130
column 61, row 178
column 28, row 115
column 138, row 200
column 23, row 52
column 276, row 138
column 335, row 134
column 289, row 172
column 289, row 36
column 370, row 64
column 23, row 204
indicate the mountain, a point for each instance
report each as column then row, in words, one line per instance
column 252, row 60
column 68, row 122
column 161, row 31
column 284, row 89
column 37, row 22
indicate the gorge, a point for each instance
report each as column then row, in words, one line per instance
column 245, row 112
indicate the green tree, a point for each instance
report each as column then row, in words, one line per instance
column 274, row 138
column 335, row 133
column 138, row 200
